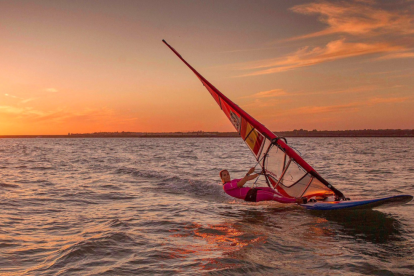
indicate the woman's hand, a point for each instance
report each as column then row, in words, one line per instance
column 251, row 170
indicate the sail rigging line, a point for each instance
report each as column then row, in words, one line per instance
column 257, row 163
column 257, row 178
column 259, row 136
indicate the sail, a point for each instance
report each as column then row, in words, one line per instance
column 284, row 169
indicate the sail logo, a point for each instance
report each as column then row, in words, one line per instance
column 235, row 120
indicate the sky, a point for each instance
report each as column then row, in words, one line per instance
column 100, row 66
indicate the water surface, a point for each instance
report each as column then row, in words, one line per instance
column 129, row 206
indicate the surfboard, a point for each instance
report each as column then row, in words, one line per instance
column 385, row 202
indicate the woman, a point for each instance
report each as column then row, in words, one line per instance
column 235, row 189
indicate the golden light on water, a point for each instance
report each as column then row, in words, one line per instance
column 197, row 241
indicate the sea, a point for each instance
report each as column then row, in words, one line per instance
column 141, row 206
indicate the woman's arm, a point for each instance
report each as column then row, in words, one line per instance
column 246, row 178
column 253, row 176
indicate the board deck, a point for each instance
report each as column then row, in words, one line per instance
column 359, row 204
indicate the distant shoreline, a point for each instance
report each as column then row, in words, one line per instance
column 201, row 134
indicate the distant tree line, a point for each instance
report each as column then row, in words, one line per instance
column 294, row 133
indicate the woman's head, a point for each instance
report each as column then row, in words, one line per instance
column 225, row 176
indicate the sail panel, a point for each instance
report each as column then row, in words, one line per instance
column 254, row 139
column 255, row 142
column 289, row 178
column 245, row 129
column 232, row 115
column 317, row 188
column 273, row 183
column 214, row 94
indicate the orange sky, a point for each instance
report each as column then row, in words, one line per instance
column 90, row 66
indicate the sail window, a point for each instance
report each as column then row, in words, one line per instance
column 297, row 189
column 275, row 162
column 293, row 174
column 262, row 157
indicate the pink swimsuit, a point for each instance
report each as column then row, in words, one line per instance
column 263, row 193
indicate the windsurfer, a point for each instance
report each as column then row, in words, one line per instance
column 235, row 189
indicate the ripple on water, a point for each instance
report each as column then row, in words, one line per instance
column 153, row 206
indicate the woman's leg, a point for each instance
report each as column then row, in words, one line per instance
column 263, row 195
column 266, row 189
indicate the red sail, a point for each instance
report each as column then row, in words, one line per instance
column 283, row 167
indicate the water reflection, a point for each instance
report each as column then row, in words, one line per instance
column 219, row 240
column 368, row 225
column 368, row 234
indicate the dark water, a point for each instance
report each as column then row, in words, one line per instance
column 145, row 207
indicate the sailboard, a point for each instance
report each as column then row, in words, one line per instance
column 284, row 169
column 377, row 203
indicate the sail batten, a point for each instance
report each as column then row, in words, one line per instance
column 263, row 143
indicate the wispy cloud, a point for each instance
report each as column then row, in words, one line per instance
column 346, row 107
column 52, row 90
column 356, row 18
column 363, row 29
column 276, row 97
column 398, row 55
column 350, row 90
column 31, row 115
column 251, row 49
column 27, row 100
column 269, row 94
column 4, row 109
column 388, row 100
column 325, row 109
column 18, row 98
column 64, row 116
column 306, row 56
column 11, row 96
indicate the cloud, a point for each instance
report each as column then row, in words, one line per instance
column 365, row 29
column 59, row 116
column 358, row 89
column 274, row 97
column 28, row 100
column 11, row 96
column 22, row 99
column 346, row 107
column 268, row 94
column 325, row 109
column 52, row 90
column 307, row 56
column 388, row 100
column 64, row 116
column 4, row 109
column 357, row 18
column 398, row 55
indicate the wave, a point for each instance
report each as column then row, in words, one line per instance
column 105, row 247
column 139, row 173
column 5, row 185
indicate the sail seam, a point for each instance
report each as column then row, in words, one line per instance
column 247, row 136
